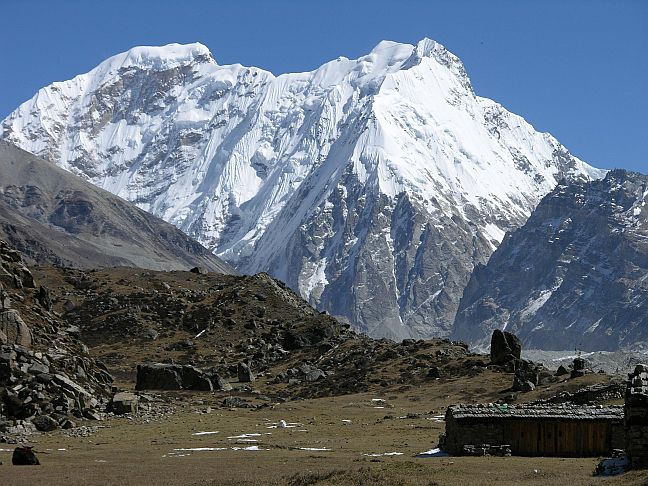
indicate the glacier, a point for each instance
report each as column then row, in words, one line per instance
column 372, row 186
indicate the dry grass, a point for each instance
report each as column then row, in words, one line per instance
column 125, row 453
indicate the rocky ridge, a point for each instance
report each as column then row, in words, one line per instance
column 573, row 277
column 216, row 323
column 255, row 341
column 52, row 216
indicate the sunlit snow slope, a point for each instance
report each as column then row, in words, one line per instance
column 372, row 186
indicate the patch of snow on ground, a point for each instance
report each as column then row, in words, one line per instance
column 433, row 453
column 200, row 449
column 384, row 454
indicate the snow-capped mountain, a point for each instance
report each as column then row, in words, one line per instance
column 574, row 276
column 371, row 186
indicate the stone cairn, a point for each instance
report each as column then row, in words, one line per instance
column 636, row 417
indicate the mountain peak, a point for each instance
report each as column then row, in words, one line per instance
column 359, row 171
column 158, row 57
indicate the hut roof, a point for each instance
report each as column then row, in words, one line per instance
column 561, row 411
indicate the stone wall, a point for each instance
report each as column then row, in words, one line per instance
column 636, row 418
column 463, row 432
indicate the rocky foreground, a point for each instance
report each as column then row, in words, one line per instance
column 206, row 363
column 47, row 377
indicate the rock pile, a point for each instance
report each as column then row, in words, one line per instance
column 37, row 385
column 46, row 375
column 579, row 368
column 305, row 372
column 528, row 375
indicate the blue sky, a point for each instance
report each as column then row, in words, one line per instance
column 577, row 69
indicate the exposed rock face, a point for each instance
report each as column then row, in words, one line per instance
column 574, row 276
column 370, row 186
column 52, row 216
column 504, row 347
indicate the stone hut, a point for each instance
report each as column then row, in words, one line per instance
column 636, row 417
column 540, row 430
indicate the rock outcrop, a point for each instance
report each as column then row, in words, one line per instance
column 504, row 347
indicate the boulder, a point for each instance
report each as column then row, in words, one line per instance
column 151, row 334
column 24, row 456
column 220, row 383
column 158, row 376
column 5, row 301
column 434, row 372
column 44, row 423
column 68, row 306
column 311, row 373
column 161, row 376
column 505, row 347
column 561, row 371
column 293, row 341
column 44, row 298
column 124, row 402
column 194, row 379
column 13, row 330
column 245, row 374
column 38, row 368
column 314, row 375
